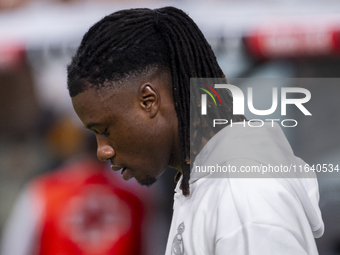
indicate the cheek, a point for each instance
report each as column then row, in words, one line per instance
column 144, row 143
column 143, row 150
column 135, row 131
column 130, row 140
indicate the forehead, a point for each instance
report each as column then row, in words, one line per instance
column 95, row 106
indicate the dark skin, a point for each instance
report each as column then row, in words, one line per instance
column 136, row 125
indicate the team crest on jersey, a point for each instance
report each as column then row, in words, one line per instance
column 177, row 244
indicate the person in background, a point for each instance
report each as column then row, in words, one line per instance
column 79, row 208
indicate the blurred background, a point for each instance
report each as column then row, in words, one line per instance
column 265, row 39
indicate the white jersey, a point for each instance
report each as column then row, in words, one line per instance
column 246, row 216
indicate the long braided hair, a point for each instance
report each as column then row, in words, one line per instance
column 127, row 42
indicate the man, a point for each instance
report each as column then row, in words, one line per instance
column 129, row 83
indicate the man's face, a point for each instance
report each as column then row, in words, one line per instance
column 136, row 129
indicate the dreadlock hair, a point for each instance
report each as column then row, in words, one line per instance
column 128, row 42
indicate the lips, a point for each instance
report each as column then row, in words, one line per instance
column 123, row 170
column 125, row 173
column 116, row 167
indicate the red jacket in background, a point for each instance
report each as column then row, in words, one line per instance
column 85, row 212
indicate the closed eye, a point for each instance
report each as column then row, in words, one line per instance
column 105, row 133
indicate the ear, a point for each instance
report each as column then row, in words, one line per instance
column 149, row 99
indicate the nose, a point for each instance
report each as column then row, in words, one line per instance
column 104, row 150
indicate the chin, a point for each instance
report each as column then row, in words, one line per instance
column 147, row 181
